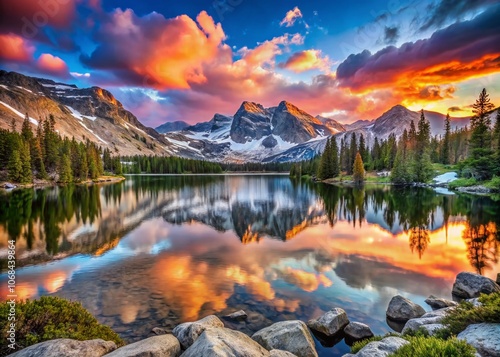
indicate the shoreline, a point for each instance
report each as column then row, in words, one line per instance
column 7, row 185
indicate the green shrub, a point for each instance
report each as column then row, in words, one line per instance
column 462, row 182
column 434, row 347
column 494, row 183
column 50, row 318
column 466, row 314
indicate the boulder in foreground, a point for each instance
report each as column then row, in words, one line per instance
column 188, row 332
column 156, row 346
column 331, row 323
column 68, row 348
column 438, row 303
column 403, row 309
column 223, row 342
column 485, row 338
column 381, row 348
column 292, row 336
column 470, row 285
column 357, row 331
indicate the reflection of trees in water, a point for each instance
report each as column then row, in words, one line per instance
column 419, row 239
column 482, row 245
column 22, row 211
column 414, row 210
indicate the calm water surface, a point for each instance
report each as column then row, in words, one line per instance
column 161, row 250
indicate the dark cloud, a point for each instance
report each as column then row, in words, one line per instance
column 445, row 10
column 391, row 35
column 455, row 109
column 458, row 52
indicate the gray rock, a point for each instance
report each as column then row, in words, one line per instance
column 430, row 321
column 68, row 348
column 485, row 338
column 223, row 342
column 238, row 315
column 438, row 303
column 159, row 331
column 188, row 332
column 470, row 285
column 358, row 331
column 9, row 185
column 156, row 346
column 294, row 125
column 292, row 336
column 330, row 323
column 281, row 353
column 403, row 309
column 382, row 348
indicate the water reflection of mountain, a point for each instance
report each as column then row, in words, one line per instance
column 92, row 219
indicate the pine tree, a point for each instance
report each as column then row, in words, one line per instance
column 480, row 153
column 358, row 169
column 15, row 166
column 422, row 168
column 496, row 137
column 65, row 174
column 400, row 174
column 325, row 169
column 445, row 151
column 334, row 154
column 26, row 173
column 352, row 153
column 26, row 131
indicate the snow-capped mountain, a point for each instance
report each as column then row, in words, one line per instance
column 171, row 126
column 255, row 133
column 83, row 113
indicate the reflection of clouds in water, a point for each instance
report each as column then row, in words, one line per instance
column 304, row 280
column 144, row 238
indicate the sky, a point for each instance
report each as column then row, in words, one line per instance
column 347, row 60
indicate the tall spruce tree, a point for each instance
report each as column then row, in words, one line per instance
column 334, row 154
column 422, row 167
column 445, row 150
column 352, row 153
column 496, row 137
column 480, row 153
column 358, row 169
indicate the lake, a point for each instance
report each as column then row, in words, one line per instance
column 160, row 250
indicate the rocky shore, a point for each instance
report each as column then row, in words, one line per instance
column 46, row 183
column 209, row 336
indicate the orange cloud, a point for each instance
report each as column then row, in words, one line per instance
column 157, row 52
column 50, row 64
column 307, row 60
column 291, row 16
column 15, row 48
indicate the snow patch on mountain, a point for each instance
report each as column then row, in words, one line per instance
column 17, row 112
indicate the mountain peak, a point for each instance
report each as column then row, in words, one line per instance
column 251, row 107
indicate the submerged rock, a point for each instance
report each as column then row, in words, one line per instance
column 223, row 342
column 159, row 331
column 68, row 348
column 357, row 331
column 470, row 285
column 292, row 336
column 438, row 303
column 403, row 309
column 330, row 323
column 156, row 346
column 381, row 348
column 188, row 332
column 238, row 315
column 485, row 338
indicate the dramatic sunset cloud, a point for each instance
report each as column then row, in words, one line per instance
column 53, row 65
column 15, row 48
column 419, row 69
column 154, row 51
column 291, row 16
column 307, row 60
